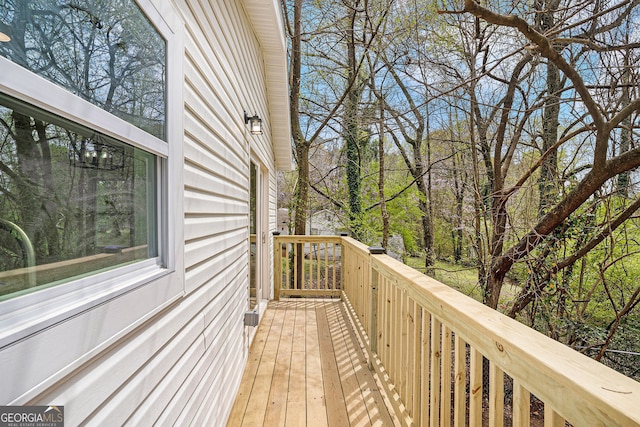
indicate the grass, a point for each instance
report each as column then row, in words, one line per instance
column 463, row 279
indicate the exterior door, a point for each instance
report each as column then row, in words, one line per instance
column 257, row 235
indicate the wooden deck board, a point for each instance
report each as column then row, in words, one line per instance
column 316, row 407
column 277, row 408
column 296, row 395
column 336, row 408
column 377, row 412
column 306, row 367
column 353, row 396
column 257, row 406
column 253, row 362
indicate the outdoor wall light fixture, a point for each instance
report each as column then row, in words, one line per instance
column 254, row 122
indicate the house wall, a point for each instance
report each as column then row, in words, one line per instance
column 182, row 363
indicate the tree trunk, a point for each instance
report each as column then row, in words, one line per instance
column 479, row 204
column 548, row 185
column 496, row 277
column 458, row 184
column 429, row 239
column 423, row 204
column 383, row 204
column 623, row 181
column 351, row 131
column 301, row 197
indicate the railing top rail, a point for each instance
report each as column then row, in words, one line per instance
column 579, row 388
column 298, row 238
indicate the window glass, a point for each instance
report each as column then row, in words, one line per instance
column 72, row 201
column 105, row 51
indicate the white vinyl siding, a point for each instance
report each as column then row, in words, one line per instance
column 224, row 78
column 182, row 362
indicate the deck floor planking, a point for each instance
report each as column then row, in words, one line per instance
column 306, row 368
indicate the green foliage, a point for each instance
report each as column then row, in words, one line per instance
column 442, row 230
column 402, row 205
column 579, row 305
column 462, row 279
column 411, row 246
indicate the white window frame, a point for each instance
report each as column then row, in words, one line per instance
column 161, row 279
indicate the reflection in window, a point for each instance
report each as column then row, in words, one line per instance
column 72, row 201
column 104, row 51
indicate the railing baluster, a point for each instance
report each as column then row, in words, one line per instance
column 384, row 321
column 552, row 418
column 287, row 264
column 319, row 249
column 339, row 256
column 303, row 268
column 405, row 354
column 521, row 405
column 434, row 389
column 445, row 404
column 391, row 336
column 327, row 285
column 425, row 363
column 496, row 396
column 460, row 385
column 363, row 293
column 303, row 273
column 313, row 268
column 295, row 249
column 395, row 335
column 415, row 354
column 373, row 322
column 310, row 271
column 331, row 263
column 475, row 385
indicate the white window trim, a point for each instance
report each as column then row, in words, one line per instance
column 26, row 315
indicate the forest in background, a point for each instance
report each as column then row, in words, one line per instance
column 497, row 136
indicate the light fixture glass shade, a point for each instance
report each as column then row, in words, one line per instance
column 255, row 124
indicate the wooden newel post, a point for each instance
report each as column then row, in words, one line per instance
column 277, row 266
column 373, row 304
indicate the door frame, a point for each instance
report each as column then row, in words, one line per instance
column 261, row 268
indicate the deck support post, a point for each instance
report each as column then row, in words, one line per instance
column 373, row 305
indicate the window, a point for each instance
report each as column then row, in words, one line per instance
column 87, row 178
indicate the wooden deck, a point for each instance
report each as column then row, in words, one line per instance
column 307, row 368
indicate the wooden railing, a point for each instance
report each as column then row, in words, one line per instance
column 307, row 265
column 446, row 359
